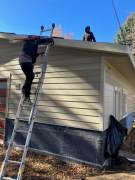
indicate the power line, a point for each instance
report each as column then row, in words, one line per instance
column 116, row 13
column 118, row 22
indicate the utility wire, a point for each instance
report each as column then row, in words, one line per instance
column 116, row 12
column 118, row 21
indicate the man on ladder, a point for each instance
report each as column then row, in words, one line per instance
column 27, row 58
column 29, row 49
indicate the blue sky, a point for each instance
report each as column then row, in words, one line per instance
column 26, row 16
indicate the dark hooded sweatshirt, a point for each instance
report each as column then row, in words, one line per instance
column 30, row 48
column 89, row 37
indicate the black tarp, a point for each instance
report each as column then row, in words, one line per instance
column 115, row 136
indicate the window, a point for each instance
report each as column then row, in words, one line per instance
column 117, row 104
column 125, row 105
column 3, row 93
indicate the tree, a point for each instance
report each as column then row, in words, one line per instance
column 58, row 32
column 126, row 35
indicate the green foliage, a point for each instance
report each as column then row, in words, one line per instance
column 126, row 35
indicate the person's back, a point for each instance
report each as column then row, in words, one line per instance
column 88, row 36
column 30, row 47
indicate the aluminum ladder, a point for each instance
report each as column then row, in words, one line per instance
column 30, row 119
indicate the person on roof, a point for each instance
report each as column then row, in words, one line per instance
column 27, row 58
column 88, row 35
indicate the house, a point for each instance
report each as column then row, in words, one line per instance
column 85, row 83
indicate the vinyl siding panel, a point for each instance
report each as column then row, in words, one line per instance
column 71, row 88
column 71, row 80
column 71, row 98
column 112, row 80
column 68, row 104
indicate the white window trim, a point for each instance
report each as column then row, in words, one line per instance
column 116, row 89
column 126, row 95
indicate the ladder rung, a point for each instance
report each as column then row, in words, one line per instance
column 23, row 118
column 15, row 162
column 21, row 131
column 37, row 72
column 35, row 82
column 26, row 105
column 38, row 64
column 46, row 30
column 17, row 145
column 8, row 178
column 33, row 93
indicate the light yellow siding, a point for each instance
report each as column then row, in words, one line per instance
column 71, row 89
column 114, row 80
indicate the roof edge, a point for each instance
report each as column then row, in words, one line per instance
column 91, row 46
column 84, row 45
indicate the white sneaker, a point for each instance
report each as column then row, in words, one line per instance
column 27, row 101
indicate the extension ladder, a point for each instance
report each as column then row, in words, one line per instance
column 30, row 120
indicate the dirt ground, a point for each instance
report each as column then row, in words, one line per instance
column 117, row 176
column 41, row 167
column 128, row 147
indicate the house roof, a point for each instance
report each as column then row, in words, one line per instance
column 124, row 64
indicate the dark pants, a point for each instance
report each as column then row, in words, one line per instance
column 27, row 68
